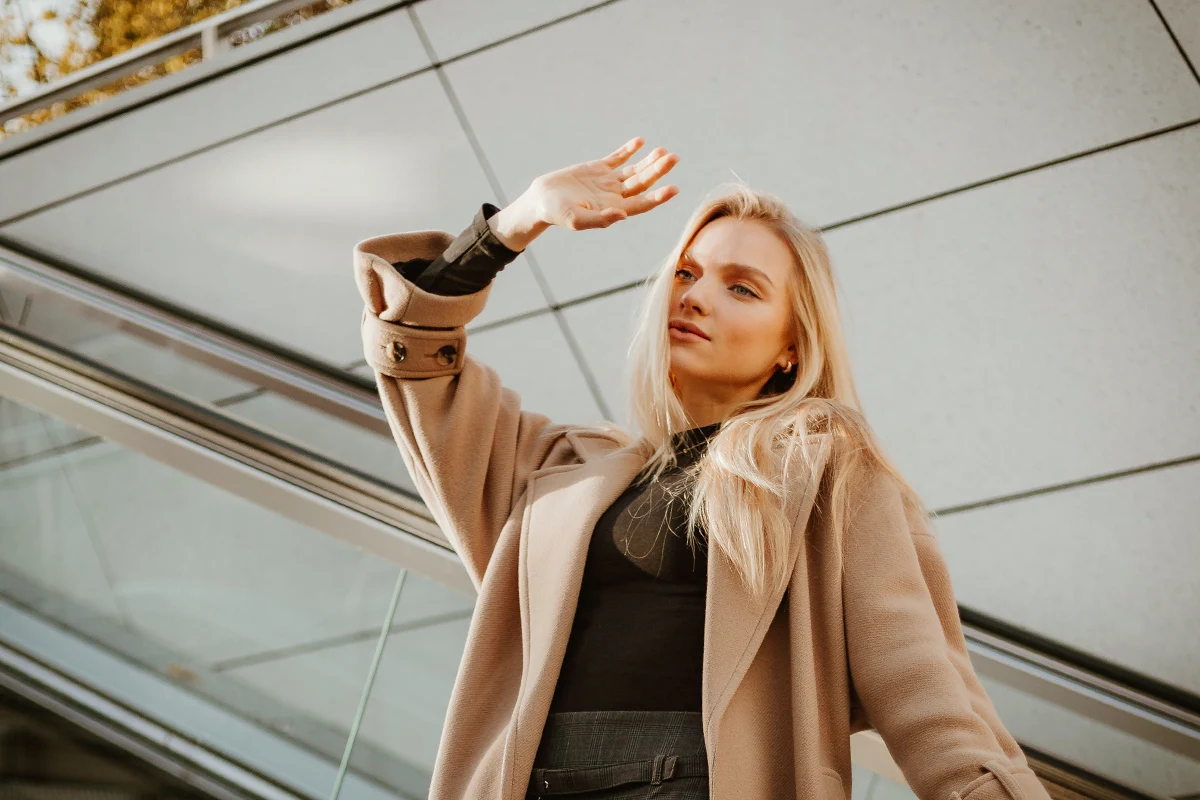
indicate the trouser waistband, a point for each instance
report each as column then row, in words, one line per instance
column 569, row 780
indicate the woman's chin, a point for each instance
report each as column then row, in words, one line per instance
column 683, row 373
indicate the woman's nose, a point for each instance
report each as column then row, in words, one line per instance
column 695, row 296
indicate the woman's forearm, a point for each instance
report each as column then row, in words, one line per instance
column 518, row 223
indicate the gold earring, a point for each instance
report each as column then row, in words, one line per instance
column 788, row 368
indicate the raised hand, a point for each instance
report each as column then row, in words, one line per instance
column 591, row 194
column 595, row 194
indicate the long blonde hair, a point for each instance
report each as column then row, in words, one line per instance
column 753, row 463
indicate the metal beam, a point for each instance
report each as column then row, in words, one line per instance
column 293, row 487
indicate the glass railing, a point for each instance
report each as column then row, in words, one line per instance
column 176, row 595
column 230, row 584
column 1124, row 745
column 335, row 415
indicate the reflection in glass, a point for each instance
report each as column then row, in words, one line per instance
column 263, row 616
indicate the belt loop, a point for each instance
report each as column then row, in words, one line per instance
column 671, row 763
column 1006, row 779
column 656, row 771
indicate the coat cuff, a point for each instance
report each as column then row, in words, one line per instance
column 391, row 297
column 404, row 352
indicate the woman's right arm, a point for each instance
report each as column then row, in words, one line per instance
column 467, row 443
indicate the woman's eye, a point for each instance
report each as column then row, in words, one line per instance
column 747, row 288
column 682, row 269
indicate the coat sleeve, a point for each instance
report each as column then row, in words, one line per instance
column 908, row 658
column 467, row 443
column 467, row 265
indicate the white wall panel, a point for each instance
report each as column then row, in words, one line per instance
column 258, row 233
column 844, row 108
column 456, row 26
column 604, row 328
column 1034, row 331
column 319, row 72
column 1184, row 18
column 1107, row 567
column 532, row 358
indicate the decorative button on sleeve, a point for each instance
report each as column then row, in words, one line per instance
column 407, row 352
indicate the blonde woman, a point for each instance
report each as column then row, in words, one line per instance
column 708, row 608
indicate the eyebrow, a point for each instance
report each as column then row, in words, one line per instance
column 753, row 271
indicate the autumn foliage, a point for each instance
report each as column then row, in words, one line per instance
column 42, row 41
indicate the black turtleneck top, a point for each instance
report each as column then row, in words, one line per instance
column 637, row 640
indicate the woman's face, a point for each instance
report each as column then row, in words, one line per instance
column 731, row 284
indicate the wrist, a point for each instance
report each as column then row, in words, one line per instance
column 517, row 224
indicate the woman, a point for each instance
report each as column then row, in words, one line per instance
column 712, row 607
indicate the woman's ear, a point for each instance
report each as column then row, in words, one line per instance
column 788, row 356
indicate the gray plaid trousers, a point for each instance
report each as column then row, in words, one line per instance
column 621, row 755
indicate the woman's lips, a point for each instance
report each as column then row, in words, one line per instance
column 686, row 336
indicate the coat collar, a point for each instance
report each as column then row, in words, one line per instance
column 565, row 504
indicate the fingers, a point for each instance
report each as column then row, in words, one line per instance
column 640, row 204
column 619, row 156
column 627, row 172
column 578, row 219
column 645, row 177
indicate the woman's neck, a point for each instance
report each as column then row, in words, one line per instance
column 703, row 407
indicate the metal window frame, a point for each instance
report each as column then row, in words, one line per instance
column 208, row 35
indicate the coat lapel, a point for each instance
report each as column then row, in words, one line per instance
column 734, row 621
column 565, row 504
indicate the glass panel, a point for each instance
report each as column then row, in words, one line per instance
column 1101, row 568
column 332, row 438
column 240, row 606
column 1092, row 745
column 407, row 708
column 877, row 787
column 59, row 321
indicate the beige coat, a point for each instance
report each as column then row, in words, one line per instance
column 785, row 682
